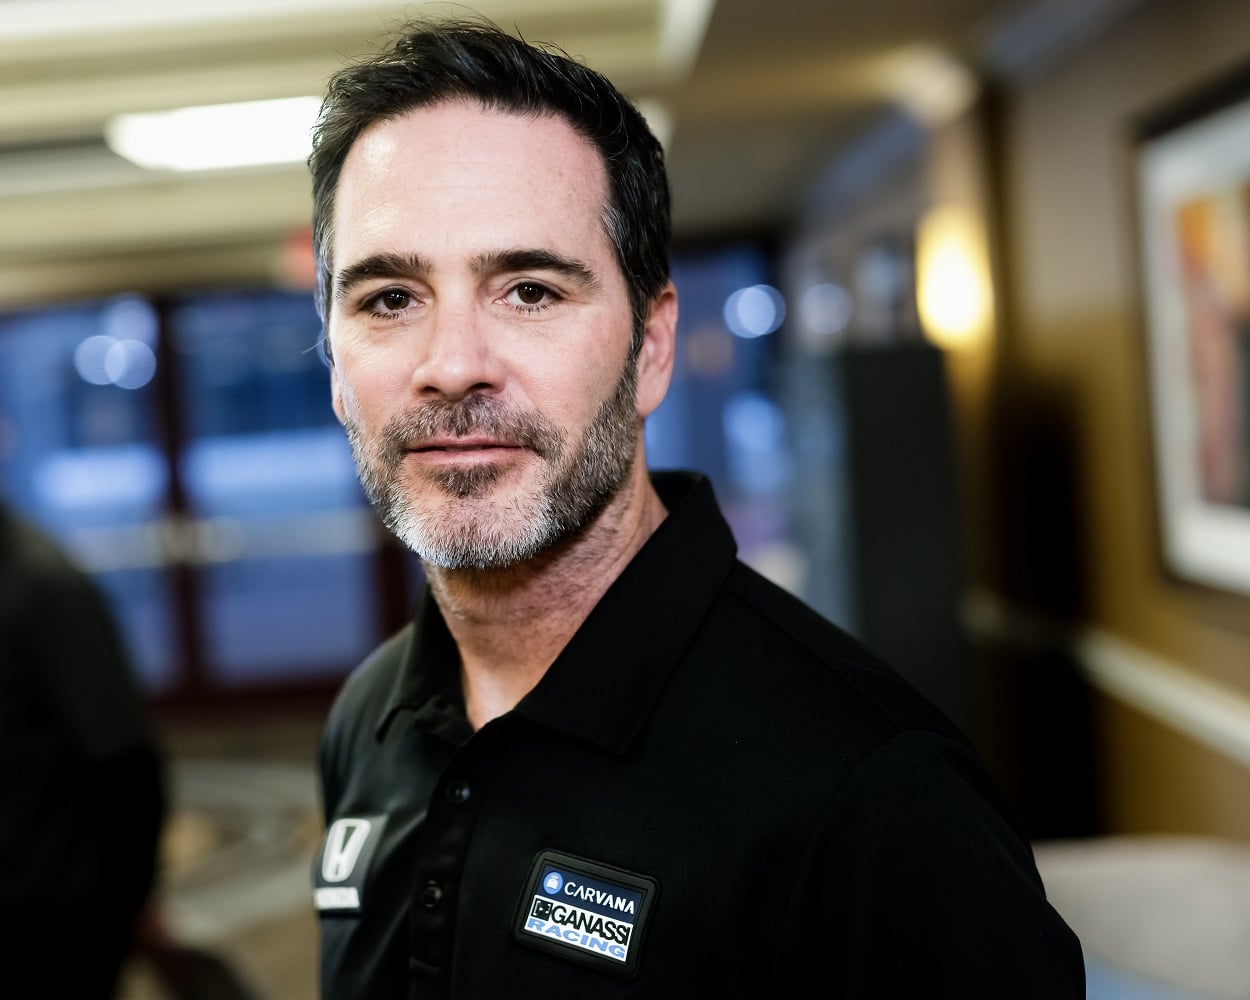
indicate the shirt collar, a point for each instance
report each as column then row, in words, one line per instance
column 429, row 677
column 603, row 685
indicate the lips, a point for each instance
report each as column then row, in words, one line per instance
column 476, row 428
column 463, row 445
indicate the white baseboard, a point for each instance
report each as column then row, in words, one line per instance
column 1213, row 714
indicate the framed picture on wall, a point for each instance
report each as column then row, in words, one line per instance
column 1192, row 166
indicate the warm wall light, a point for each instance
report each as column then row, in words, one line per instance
column 216, row 136
column 953, row 290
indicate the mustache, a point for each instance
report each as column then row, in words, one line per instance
column 472, row 415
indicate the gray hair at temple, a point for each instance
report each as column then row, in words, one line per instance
column 430, row 63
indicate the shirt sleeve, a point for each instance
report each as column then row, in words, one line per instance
column 917, row 884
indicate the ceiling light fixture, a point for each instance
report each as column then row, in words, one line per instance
column 217, row 136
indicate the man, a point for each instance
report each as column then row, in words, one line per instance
column 606, row 759
column 82, row 784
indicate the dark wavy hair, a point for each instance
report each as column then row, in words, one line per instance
column 432, row 62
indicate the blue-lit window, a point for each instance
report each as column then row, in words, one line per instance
column 79, row 439
column 186, row 454
column 283, row 535
column 721, row 415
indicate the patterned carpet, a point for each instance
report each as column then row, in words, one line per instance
column 235, row 897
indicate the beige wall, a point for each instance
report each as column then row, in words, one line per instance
column 1070, row 416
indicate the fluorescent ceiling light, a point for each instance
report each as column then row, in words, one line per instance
column 216, row 136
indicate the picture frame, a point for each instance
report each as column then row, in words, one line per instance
column 1191, row 165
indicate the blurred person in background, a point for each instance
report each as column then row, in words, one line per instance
column 606, row 758
column 82, row 793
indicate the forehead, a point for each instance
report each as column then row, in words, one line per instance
column 457, row 173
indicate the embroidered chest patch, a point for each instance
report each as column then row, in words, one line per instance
column 343, row 863
column 585, row 911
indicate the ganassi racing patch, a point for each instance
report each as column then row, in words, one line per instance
column 585, row 911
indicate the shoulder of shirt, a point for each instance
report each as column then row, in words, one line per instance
column 858, row 702
column 36, row 566
column 861, row 681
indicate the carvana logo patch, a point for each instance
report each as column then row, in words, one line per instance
column 585, row 911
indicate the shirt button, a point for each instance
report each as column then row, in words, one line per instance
column 431, row 895
column 458, row 793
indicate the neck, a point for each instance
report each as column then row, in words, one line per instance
column 510, row 624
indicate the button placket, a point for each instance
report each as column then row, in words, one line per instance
column 458, row 792
column 431, row 895
column 444, row 843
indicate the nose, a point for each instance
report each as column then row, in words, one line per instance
column 457, row 355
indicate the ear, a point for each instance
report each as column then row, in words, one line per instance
column 655, row 359
column 336, row 394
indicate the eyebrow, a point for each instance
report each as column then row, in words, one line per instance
column 497, row 261
column 379, row 265
column 414, row 266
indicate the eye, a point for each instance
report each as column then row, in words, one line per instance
column 530, row 295
column 388, row 302
column 394, row 300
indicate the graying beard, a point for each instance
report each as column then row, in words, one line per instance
column 602, row 464
column 465, row 484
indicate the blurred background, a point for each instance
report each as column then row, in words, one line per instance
column 914, row 358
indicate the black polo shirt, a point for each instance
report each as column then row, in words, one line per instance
column 713, row 792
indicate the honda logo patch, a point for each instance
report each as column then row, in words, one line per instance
column 339, row 877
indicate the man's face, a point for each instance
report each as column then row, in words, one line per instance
column 480, row 328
